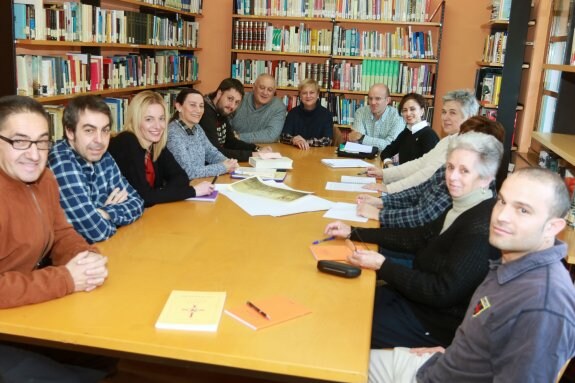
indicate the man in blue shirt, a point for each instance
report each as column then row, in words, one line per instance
column 376, row 124
column 520, row 325
column 93, row 193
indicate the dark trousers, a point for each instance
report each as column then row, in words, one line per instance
column 395, row 324
column 22, row 365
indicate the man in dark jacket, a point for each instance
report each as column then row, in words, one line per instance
column 219, row 106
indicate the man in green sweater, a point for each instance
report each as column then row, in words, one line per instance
column 260, row 118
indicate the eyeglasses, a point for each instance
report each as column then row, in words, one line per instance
column 26, row 144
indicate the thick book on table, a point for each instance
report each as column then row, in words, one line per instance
column 205, row 198
column 271, row 163
column 272, row 311
column 192, row 311
column 264, row 174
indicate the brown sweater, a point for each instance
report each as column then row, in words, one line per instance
column 32, row 227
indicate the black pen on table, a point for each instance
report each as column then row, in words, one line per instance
column 259, row 311
column 362, row 173
column 214, row 180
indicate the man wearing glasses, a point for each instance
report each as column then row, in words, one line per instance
column 41, row 256
column 93, row 193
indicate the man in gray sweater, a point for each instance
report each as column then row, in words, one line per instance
column 260, row 118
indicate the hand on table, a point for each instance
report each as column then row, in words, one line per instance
column 366, row 259
column 337, row 229
column 368, row 211
column 370, row 200
column 300, row 142
column 88, row 270
column 204, row 188
column 354, row 136
column 231, row 165
column 374, row 171
column 378, row 187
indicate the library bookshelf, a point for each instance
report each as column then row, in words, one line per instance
column 109, row 48
column 501, row 69
column 347, row 51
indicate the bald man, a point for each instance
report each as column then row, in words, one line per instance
column 260, row 118
column 376, row 124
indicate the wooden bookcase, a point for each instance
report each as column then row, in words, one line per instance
column 329, row 59
column 44, row 47
column 554, row 130
column 511, row 70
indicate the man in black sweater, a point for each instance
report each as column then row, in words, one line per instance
column 219, row 106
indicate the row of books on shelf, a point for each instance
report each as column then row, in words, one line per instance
column 400, row 77
column 287, row 74
column 500, row 9
column 494, row 48
column 263, row 36
column 81, row 72
column 488, row 85
column 192, row 6
column 385, row 10
column 343, row 109
column 118, row 107
column 73, row 21
column 403, row 43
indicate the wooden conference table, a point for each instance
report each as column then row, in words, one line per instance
column 218, row 247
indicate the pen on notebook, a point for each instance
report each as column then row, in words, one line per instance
column 214, row 180
column 260, row 311
column 323, row 240
column 362, row 173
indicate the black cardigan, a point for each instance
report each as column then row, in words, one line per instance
column 411, row 146
column 171, row 183
column 447, row 267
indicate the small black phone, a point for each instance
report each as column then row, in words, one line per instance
column 338, row 268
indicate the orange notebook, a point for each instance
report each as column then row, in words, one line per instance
column 334, row 252
column 272, row 311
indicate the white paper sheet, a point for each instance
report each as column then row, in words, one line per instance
column 344, row 186
column 345, row 211
column 255, row 206
column 358, row 148
column 358, row 180
column 345, row 163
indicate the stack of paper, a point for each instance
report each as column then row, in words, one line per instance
column 353, row 147
column 345, row 163
column 264, row 174
column 351, row 184
column 271, row 163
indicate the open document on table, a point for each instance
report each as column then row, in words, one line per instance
column 255, row 198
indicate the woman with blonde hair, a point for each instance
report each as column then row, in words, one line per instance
column 143, row 158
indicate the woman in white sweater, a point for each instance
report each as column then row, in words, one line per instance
column 458, row 106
